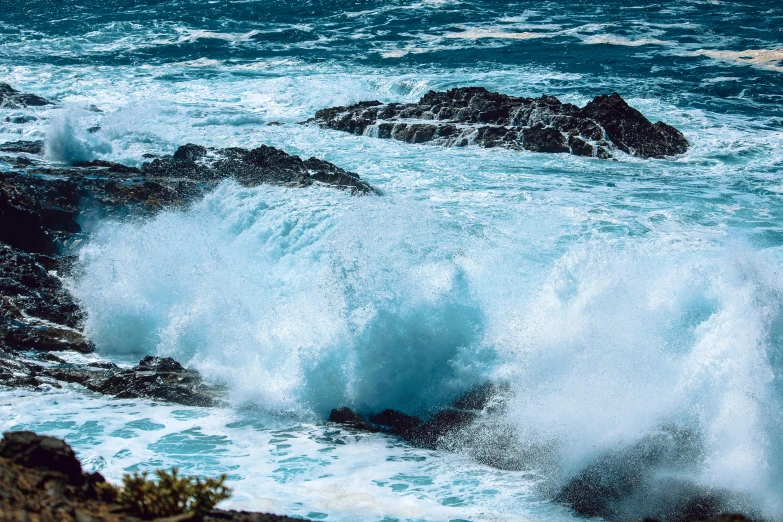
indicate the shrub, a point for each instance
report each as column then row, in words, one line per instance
column 170, row 495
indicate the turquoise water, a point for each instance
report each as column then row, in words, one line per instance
column 615, row 297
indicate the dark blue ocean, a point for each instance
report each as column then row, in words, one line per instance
column 616, row 299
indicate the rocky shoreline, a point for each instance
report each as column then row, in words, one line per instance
column 476, row 116
column 42, row 207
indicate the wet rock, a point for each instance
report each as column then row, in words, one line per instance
column 473, row 115
column 27, row 147
column 631, row 132
column 262, row 165
column 397, row 423
column 539, row 138
column 20, row 220
column 441, row 425
column 29, row 335
column 10, row 98
column 154, row 378
column 349, row 418
column 27, row 449
column 643, row 481
column 430, row 434
column 29, row 292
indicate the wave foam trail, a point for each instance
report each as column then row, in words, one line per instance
column 616, row 351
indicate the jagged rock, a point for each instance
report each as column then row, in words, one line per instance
column 351, row 419
column 398, row 423
column 28, row 147
column 253, row 167
column 10, row 98
column 153, row 378
column 20, row 220
column 29, row 292
column 460, row 414
column 631, row 132
column 641, row 481
column 473, row 115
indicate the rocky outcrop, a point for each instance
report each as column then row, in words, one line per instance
column 650, row 475
column 473, row 115
column 430, row 434
column 10, row 98
column 155, row 378
column 27, row 147
column 42, row 480
column 42, row 208
column 262, row 165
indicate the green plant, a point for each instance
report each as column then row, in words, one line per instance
column 169, row 495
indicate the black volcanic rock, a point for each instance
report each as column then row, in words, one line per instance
column 41, row 208
column 31, row 294
column 348, row 417
column 648, row 480
column 473, row 115
column 28, row 147
column 154, row 378
column 398, row 423
column 631, row 132
column 430, row 434
column 262, row 165
column 10, row 98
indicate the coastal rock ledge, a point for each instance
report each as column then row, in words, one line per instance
column 476, row 116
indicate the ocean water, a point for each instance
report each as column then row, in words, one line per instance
column 616, row 299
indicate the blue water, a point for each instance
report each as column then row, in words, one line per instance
column 614, row 297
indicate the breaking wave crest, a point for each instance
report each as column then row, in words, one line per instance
column 305, row 301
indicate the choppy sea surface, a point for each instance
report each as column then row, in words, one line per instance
column 613, row 297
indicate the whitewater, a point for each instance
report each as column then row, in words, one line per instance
column 615, row 300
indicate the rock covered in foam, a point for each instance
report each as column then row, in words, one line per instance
column 41, row 208
column 155, row 378
column 474, row 115
column 460, row 414
column 10, row 98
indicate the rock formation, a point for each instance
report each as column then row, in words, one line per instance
column 473, row 115
column 41, row 208
column 10, row 98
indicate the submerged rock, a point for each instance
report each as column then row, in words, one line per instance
column 474, row 115
column 10, row 98
column 649, row 480
column 430, row 434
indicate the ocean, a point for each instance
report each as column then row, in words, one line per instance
column 617, row 300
